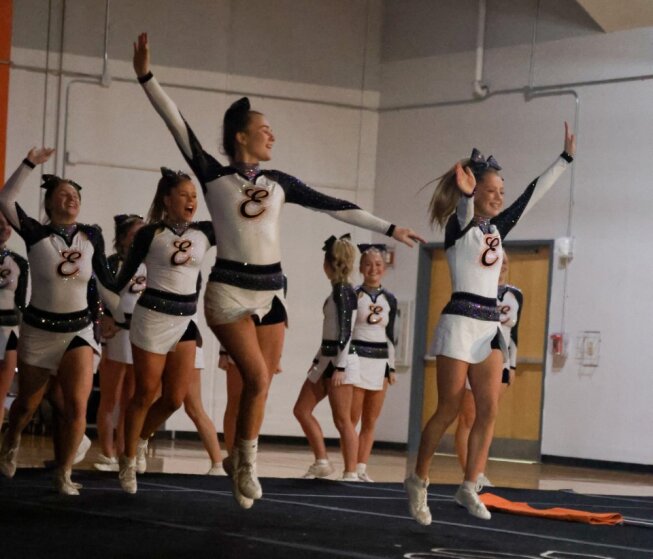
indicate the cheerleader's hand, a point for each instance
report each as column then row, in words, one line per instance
column 407, row 236
column 223, row 361
column 570, row 141
column 338, row 378
column 392, row 378
column 141, row 56
column 36, row 156
column 465, row 179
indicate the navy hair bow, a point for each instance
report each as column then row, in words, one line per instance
column 170, row 174
column 378, row 246
column 479, row 164
column 328, row 244
column 123, row 218
column 50, row 181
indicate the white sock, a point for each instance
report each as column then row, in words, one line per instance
column 247, row 449
column 321, row 461
column 361, row 468
column 470, row 485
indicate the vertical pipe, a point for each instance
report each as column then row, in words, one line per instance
column 5, row 54
column 106, row 77
column 480, row 89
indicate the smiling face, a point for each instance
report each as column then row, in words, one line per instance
column 5, row 230
column 372, row 267
column 488, row 197
column 255, row 143
column 63, row 204
column 181, row 202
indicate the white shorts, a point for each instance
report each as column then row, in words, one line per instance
column 352, row 370
column 463, row 338
column 224, row 303
column 119, row 348
column 372, row 373
column 45, row 349
column 157, row 332
column 5, row 333
column 199, row 358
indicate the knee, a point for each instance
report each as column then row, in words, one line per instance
column 446, row 414
column 192, row 412
column 486, row 412
column 342, row 423
column 256, row 387
column 143, row 398
column 75, row 411
column 172, row 402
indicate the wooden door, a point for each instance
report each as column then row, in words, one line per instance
column 518, row 427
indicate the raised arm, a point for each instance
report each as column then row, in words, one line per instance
column 297, row 192
column 509, row 217
column 11, row 189
column 202, row 164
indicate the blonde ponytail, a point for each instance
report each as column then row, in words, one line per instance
column 342, row 256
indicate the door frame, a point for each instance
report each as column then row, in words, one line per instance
column 420, row 342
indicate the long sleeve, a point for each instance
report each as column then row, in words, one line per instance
column 390, row 329
column 136, row 255
column 346, row 306
column 203, row 164
column 10, row 191
column 20, row 296
column 509, row 217
column 460, row 221
column 514, row 332
column 103, row 274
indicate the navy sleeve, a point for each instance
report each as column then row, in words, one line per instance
column 346, row 303
column 390, row 328
column 136, row 255
column 514, row 331
column 206, row 227
column 20, row 297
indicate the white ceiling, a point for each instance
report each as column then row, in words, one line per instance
column 619, row 15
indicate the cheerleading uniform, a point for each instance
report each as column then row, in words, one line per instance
column 62, row 264
column 165, row 312
column 510, row 300
column 336, row 353
column 469, row 324
column 14, row 276
column 374, row 336
column 245, row 209
column 119, row 347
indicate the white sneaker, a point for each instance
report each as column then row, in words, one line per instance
column 349, row 476
column 141, row 456
column 82, row 449
column 482, row 481
column 319, row 468
column 216, row 470
column 63, row 484
column 364, row 476
column 417, row 497
column 9, row 459
column 229, row 464
column 106, row 463
column 127, row 474
column 468, row 498
column 247, row 480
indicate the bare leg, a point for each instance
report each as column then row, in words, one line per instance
column 127, row 393
column 112, row 375
column 234, row 393
column 310, row 395
column 7, row 371
column 195, row 410
column 372, row 405
column 340, row 398
column 466, row 419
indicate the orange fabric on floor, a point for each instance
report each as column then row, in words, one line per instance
column 494, row 502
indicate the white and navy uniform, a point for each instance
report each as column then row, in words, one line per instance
column 118, row 347
column 165, row 312
column 63, row 266
column 14, row 277
column 510, row 300
column 374, row 336
column 245, row 211
column 336, row 353
column 468, row 329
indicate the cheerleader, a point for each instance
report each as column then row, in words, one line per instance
column 163, row 331
column 374, row 343
column 116, row 370
column 509, row 301
column 56, row 334
column 335, row 367
column 467, row 341
column 14, row 276
column 244, row 302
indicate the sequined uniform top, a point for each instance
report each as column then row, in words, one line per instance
column 374, row 329
column 245, row 210
column 62, row 264
column 173, row 260
column 132, row 291
column 339, row 310
column 14, row 276
column 474, row 247
column 510, row 301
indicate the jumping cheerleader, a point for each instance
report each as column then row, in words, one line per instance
column 374, row 343
column 56, row 335
column 163, row 332
column 467, row 341
column 244, row 301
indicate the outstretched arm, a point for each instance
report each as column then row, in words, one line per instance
column 11, row 189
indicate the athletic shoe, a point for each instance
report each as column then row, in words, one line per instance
column 229, row 464
column 481, row 482
column 349, row 476
column 63, row 484
column 82, row 449
column 417, row 497
column 468, row 498
column 248, row 483
column 363, row 476
column 9, row 459
column 106, row 463
column 127, row 474
column 141, row 456
column 216, row 470
column 319, row 468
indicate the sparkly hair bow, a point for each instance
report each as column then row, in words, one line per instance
column 50, row 181
column 170, row 174
column 328, row 244
column 479, row 164
column 123, row 218
column 378, row 246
